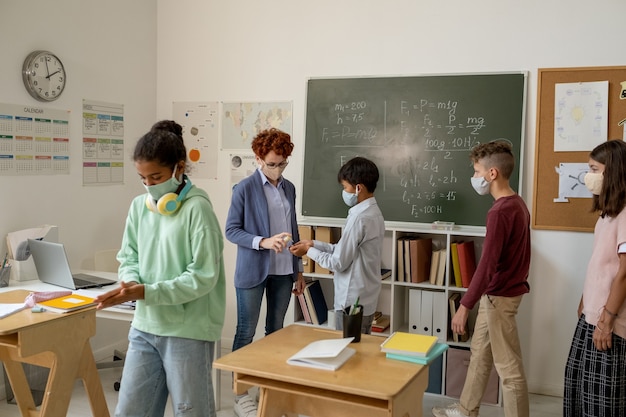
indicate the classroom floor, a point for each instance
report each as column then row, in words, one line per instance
column 541, row 405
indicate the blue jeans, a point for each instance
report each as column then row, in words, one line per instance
column 160, row 365
column 277, row 290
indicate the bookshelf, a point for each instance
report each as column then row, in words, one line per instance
column 396, row 298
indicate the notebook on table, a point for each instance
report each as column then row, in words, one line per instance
column 53, row 268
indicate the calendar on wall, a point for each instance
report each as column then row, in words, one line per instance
column 34, row 140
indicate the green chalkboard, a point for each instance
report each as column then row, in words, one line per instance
column 419, row 131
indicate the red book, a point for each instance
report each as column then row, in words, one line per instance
column 467, row 261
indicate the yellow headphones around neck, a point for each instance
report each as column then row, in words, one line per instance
column 170, row 202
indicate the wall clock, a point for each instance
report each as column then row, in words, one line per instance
column 44, row 75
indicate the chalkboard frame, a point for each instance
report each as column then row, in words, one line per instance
column 574, row 215
column 518, row 81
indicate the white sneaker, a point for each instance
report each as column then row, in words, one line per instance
column 453, row 410
column 245, row 407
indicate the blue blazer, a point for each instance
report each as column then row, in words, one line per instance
column 248, row 218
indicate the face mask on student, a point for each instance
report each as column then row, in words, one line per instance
column 481, row 186
column 593, row 182
column 349, row 198
column 159, row 190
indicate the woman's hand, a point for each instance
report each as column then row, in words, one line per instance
column 300, row 284
column 276, row 243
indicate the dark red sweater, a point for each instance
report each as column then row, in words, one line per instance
column 505, row 260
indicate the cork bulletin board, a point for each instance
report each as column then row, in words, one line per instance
column 573, row 215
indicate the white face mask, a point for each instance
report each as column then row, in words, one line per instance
column 481, row 186
column 593, row 182
column 349, row 198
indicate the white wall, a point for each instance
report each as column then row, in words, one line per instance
column 146, row 54
column 250, row 50
column 109, row 53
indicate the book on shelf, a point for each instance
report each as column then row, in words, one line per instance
column 434, row 353
column 400, row 260
column 385, row 273
column 304, row 308
column 454, row 302
column 441, row 270
column 408, row 344
column 407, row 259
column 434, row 266
column 314, row 297
column 456, row 267
column 421, row 254
column 467, row 261
column 67, row 303
column 380, row 324
column 327, row 354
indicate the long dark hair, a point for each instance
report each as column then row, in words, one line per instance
column 612, row 198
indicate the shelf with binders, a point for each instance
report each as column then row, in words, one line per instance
column 398, row 298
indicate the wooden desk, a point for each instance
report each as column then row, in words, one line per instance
column 113, row 313
column 368, row 384
column 56, row 341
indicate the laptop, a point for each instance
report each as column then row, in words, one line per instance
column 53, row 268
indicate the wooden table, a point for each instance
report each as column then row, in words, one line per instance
column 368, row 384
column 56, row 341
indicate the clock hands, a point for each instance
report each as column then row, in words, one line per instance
column 50, row 75
column 47, row 70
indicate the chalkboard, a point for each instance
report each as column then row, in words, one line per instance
column 419, row 131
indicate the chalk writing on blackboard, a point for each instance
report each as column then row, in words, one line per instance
column 419, row 131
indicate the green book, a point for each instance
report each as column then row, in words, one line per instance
column 436, row 351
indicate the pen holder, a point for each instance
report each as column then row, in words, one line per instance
column 5, row 275
column 352, row 325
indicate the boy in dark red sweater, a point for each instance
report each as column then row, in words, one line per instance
column 498, row 284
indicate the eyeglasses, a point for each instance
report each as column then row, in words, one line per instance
column 272, row 165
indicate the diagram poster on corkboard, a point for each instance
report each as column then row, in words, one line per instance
column 577, row 108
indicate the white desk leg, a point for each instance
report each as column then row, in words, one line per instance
column 217, row 377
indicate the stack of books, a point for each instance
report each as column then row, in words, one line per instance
column 380, row 322
column 412, row 347
column 67, row 303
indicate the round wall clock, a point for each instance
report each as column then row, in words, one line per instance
column 44, row 75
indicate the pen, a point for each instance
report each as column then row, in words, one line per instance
column 355, row 308
column 4, row 263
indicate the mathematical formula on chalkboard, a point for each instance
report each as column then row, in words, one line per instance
column 419, row 131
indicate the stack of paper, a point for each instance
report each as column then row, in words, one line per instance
column 328, row 354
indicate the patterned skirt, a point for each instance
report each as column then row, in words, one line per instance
column 595, row 381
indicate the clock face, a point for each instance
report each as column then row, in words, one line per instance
column 43, row 75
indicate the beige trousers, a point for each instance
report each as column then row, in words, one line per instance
column 496, row 342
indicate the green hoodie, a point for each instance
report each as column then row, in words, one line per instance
column 179, row 260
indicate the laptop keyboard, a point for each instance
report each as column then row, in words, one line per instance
column 82, row 283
